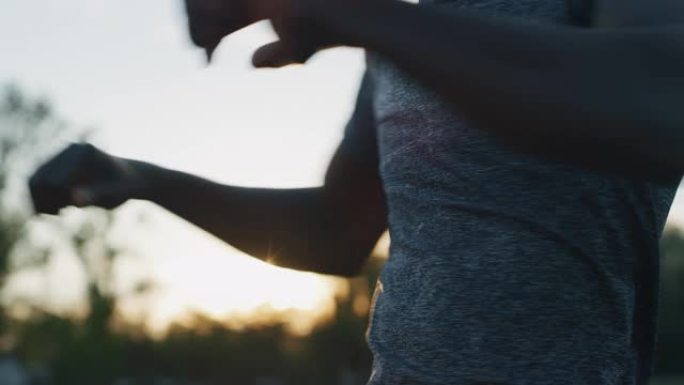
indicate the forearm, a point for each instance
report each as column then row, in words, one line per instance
column 532, row 82
column 293, row 228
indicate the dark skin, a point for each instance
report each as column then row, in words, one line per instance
column 330, row 229
column 611, row 91
column 605, row 97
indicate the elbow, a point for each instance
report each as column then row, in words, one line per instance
column 329, row 260
column 353, row 257
column 347, row 265
column 352, row 268
column 346, row 254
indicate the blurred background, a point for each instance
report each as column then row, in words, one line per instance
column 136, row 296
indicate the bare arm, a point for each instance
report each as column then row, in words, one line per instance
column 330, row 229
column 604, row 96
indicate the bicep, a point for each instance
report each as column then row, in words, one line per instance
column 352, row 183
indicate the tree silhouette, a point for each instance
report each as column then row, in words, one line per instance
column 28, row 129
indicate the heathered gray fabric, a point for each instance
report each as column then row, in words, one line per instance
column 505, row 268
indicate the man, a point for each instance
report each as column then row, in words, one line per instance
column 506, row 267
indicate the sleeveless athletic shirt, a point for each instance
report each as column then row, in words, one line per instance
column 505, row 268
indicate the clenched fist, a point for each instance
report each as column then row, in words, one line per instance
column 82, row 175
column 210, row 21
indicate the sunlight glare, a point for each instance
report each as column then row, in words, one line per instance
column 198, row 274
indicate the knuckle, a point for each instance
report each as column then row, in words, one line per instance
column 75, row 147
column 86, row 148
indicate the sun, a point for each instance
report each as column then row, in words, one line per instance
column 194, row 273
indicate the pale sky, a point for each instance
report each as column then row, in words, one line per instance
column 127, row 68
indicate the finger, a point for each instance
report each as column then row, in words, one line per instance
column 209, row 21
column 204, row 26
column 206, row 33
column 274, row 55
column 209, row 53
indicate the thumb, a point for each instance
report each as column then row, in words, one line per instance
column 278, row 54
column 107, row 195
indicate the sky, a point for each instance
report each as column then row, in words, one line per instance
column 127, row 68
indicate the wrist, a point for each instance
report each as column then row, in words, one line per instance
column 149, row 181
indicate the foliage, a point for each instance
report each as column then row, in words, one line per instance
column 91, row 350
column 27, row 127
column 205, row 351
column 29, row 132
column 94, row 350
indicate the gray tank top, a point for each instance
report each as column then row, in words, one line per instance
column 505, row 268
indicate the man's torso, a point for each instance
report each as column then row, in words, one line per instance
column 504, row 268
